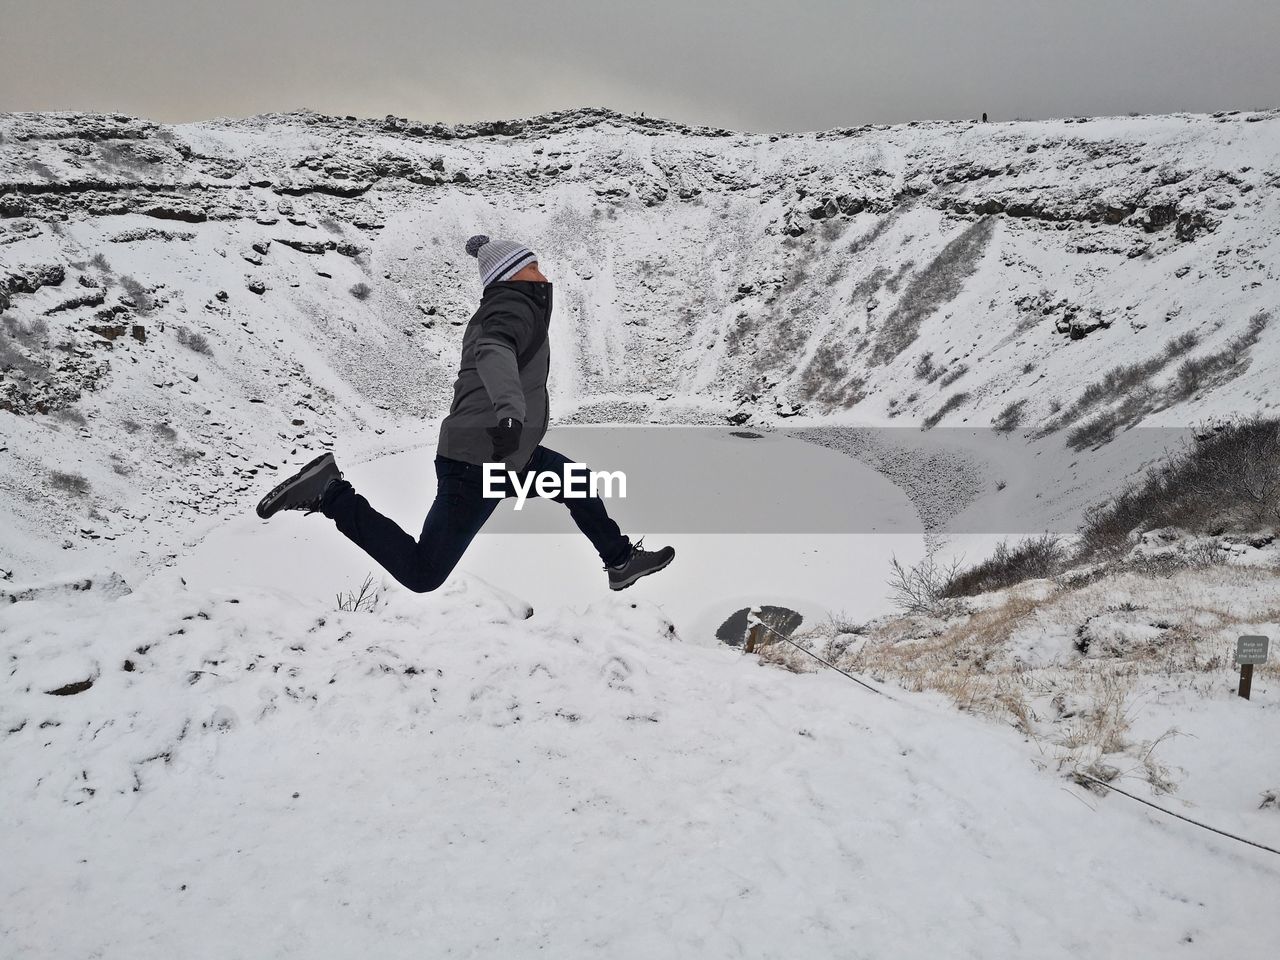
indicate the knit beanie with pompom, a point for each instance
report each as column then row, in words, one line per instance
column 499, row 259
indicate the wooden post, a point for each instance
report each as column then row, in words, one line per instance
column 1246, row 679
column 755, row 630
column 1250, row 650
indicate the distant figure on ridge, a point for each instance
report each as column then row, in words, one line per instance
column 499, row 416
column 984, row 118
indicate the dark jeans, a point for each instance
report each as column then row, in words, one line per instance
column 459, row 511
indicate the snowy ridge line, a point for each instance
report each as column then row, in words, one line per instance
column 1124, row 793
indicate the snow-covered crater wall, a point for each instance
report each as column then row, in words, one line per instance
column 178, row 301
column 689, row 260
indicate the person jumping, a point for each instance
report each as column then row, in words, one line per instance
column 499, row 414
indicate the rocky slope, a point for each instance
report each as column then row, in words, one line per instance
column 183, row 307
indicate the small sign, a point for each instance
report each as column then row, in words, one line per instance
column 1250, row 650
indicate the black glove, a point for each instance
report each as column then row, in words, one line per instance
column 505, row 437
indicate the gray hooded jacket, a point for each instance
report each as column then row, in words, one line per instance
column 503, row 373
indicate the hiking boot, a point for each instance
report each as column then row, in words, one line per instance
column 303, row 490
column 639, row 563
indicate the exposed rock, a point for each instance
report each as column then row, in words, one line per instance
column 16, row 230
column 791, row 227
column 1079, row 323
column 15, row 206
column 258, row 287
column 1116, row 212
column 1157, row 217
column 71, row 689
column 842, row 205
column 1191, row 224
column 31, row 279
column 308, row 246
column 826, row 209
column 109, row 332
column 175, row 209
column 111, row 313
column 1070, row 318
column 92, row 299
column 151, row 233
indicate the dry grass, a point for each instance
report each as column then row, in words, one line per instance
column 1012, row 658
column 940, row 282
column 1034, row 558
column 363, row 600
column 922, row 588
column 1009, row 418
column 924, row 368
column 827, row 382
column 1139, row 397
column 70, row 483
column 194, row 341
column 143, row 302
column 951, row 403
column 1227, row 476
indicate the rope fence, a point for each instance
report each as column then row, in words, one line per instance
column 755, row 621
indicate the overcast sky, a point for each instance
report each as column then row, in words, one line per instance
column 751, row 64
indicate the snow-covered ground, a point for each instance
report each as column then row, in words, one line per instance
column 200, row 756
column 443, row 778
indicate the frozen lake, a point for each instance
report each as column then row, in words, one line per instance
column 746, row 515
